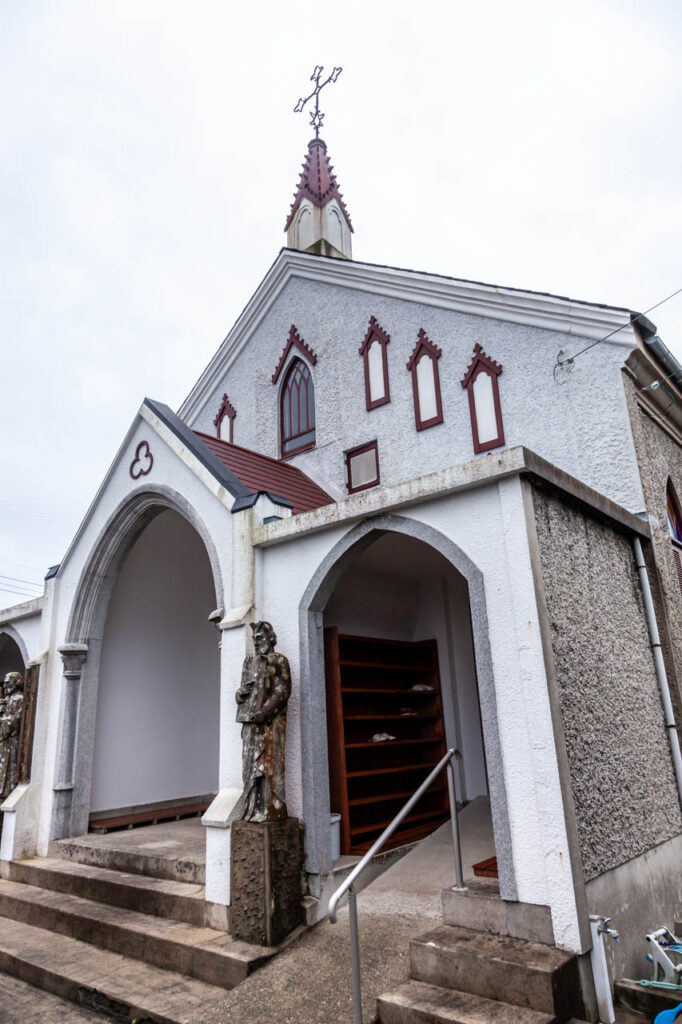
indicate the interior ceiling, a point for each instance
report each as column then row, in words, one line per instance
column 394, row 554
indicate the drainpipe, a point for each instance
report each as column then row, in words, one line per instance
column 659, row 663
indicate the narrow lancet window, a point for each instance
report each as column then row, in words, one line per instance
column 373, row 352
column 297, row 409
column 224, row 421
column 423, row 365
column 480, row 382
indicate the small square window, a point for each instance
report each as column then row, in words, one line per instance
column 362, row 467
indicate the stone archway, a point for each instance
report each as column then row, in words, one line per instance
column 13, row 655
column 128, row 734
column 313, row 704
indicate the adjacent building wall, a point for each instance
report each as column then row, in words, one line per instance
column 659, row 455
column 626, row 799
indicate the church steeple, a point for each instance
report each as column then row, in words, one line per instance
column 319, row 221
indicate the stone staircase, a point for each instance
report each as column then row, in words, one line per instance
column 489, row 961
column 127, row 943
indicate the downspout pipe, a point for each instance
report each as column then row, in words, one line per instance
column 661, row 674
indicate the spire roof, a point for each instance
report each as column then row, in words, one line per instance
column 317, row 182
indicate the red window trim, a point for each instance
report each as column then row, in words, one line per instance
column 293, row 341
column 425, row 349
column 226, row 409
column 360, row 450
column 307, row 445
column 481, row 363
column 375, row 333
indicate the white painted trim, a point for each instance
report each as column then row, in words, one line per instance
column 465, row 476
column 549, row 312
column 25, row 610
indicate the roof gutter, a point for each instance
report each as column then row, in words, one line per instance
column 664, row 357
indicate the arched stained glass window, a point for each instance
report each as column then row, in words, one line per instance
column 298, row 409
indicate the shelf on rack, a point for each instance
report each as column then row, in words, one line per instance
column 356, row 667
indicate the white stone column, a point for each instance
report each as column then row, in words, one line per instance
column 73, row 658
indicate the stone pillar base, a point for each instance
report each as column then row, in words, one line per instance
column 267, row 862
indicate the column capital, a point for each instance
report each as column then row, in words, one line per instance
column 73, row 657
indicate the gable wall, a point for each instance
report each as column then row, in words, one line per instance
column 582, row 426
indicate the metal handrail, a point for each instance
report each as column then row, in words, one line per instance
column 347, row 886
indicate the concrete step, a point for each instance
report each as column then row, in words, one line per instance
column 22, row 1002
column 104, row 982
column 131, row 851
column 181, row 901
column 643, row 999
column 416, row 1002
column 201, row 953
column 509, row 970
column 480, row 907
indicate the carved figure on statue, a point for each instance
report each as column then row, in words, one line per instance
column 11, row 707
column 261, row 708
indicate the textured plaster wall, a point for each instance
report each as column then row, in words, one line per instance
column 581, row 427
column 660, row 458
column 621, row 771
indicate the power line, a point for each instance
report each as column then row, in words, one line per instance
column 15, row 579
column 568, row 363
column 19, row 593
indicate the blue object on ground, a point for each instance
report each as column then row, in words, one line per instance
column 669, row 1016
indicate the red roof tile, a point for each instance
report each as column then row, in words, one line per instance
column 261, row 473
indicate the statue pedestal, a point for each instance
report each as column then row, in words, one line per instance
column 267, row 861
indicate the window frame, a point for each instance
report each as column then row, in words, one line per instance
column 284, row 396
column 482, row 363
column 375, row 335
column 360, row 450
column 226, row 409
column 425, row 349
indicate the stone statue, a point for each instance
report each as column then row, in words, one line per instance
column 261, row 708
column 11, row 706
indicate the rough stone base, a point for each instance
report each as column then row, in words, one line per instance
column 266, row 880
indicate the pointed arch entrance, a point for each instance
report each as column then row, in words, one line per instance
column 12, row 656
column 140, row 708
column 334, row 598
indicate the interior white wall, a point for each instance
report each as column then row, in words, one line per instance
column 429, row 601
column 157, row 731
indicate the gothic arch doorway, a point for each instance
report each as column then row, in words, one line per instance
column 140, row 710
column 156, row 733
column 450, row 601
column 11, row 657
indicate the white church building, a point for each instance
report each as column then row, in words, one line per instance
column 443, row 531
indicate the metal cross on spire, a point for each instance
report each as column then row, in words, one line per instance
column 316, row 118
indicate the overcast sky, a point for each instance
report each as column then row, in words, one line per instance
column 150, row 152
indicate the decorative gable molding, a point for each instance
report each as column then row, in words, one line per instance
column 375, row 335
column 484, row 401
column 293, row 341
column 536, row 309
column 428, row 405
